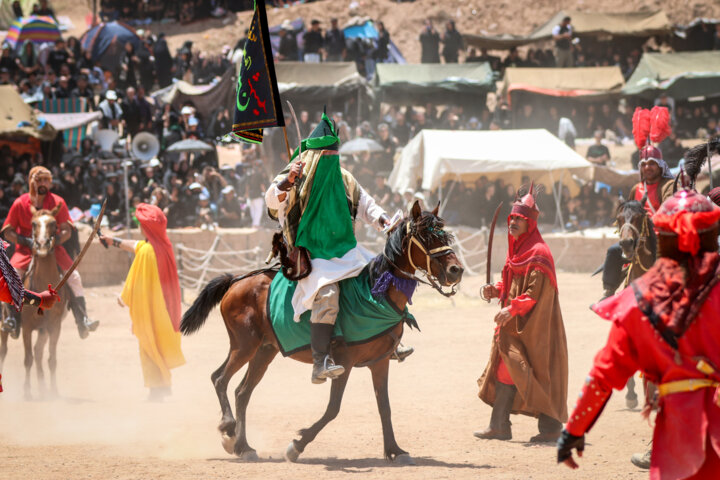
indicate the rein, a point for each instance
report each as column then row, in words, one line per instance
column 429, row 256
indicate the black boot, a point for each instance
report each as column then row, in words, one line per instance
column 84, row 324
column 499, row 428
column 11, row 323
column 323, row 365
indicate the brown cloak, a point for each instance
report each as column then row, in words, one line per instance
column 534, row 350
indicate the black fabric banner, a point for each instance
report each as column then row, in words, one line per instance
column 257, row 101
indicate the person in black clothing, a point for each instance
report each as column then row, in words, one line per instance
column 63, row 89
column 17, row 9
column 598, row 153
column 93, row 192
column 288, row 49
column 131, row 112
column 163, row 61
column 334, row 42
column 58, row 55
column 230, row 213
column 383, row 44
column 429, row 44
column 452, row 43
column 146, row 110
column 83, row 90
column 313, row 43
column 129, row 64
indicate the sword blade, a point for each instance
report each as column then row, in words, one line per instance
column 297, row 127
column 490, row 243
column 72, row 268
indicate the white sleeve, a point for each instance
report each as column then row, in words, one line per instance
column 556, row 30
column 271, row 198
column 368, row 210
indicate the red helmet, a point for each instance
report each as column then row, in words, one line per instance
column 686, row 214
column 526, row 206
column 650, row 152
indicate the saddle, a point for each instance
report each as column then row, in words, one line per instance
column 295, row 261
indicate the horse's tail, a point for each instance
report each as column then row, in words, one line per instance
column 209, row 297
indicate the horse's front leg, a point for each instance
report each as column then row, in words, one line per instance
column 27, row 344
column 307, row 435
column 393, row 452
column 40, row 343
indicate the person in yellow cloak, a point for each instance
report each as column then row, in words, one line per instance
column 152, row 292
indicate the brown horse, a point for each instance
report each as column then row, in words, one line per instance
column 639, row 246
column 43, row 271
column 418, row 240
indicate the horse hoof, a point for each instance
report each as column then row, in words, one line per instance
column 631, row 403
column 249, row 456
column 228, row 443
column 291, row 453
column 404, row 460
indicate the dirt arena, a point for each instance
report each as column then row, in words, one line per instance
column 103, row 427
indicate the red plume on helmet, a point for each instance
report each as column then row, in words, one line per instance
column 641, row 126
column 659, row 124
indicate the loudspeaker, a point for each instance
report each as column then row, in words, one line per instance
column 106, row 139
column 145, row 146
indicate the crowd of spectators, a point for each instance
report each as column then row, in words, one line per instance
column 194, row 191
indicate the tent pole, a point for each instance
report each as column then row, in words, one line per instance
column 557, row 194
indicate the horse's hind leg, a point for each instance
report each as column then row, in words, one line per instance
column 27, row 344
column 3, row 348
column 220, row 378
column 39, row 348
column 380, row 384
column 255, row 372
column 52, row 358
column 631, row 399
column 307, row 435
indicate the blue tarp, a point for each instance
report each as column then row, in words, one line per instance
column 99, row 38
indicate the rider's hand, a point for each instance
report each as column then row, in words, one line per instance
column 296, row 171
column 48, row 298
column 565, row 446
column 503, row 317
column 489, row 292
column 22, row 240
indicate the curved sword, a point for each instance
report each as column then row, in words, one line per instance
column 489, row 250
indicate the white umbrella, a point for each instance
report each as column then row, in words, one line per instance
column 360, row 145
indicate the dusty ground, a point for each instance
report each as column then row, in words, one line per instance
column 102, row 427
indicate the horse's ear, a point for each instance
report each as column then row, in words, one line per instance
column 56, row 210
column 33, row 210
column 416, row 211
column 436, row 210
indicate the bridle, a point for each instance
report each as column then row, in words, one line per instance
column 635, row 260
column 430, row 255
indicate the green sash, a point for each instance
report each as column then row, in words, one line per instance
column 326, row 228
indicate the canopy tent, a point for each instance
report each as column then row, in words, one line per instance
column 595, row 83
column 434, row 157
column 19, row 119
column 679, row 75
column 364, row 28
column 37, row 29
column 106, row 41
column 318, row 83
column 585, row 24
column 419, row 84
column 205, row 98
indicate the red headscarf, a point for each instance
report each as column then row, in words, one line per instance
column 154, row 225
column 528, row 252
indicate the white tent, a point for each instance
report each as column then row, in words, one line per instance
column 434, row 157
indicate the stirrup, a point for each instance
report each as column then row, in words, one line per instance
column 401, row 353
column 328, row 370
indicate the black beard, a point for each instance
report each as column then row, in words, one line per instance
column 42, row 190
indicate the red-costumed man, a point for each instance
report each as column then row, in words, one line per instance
column 666, row 325
column 528, row 368
column 13, row 292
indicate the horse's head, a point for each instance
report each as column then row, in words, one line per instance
column 421, row 243
column 632, row 220
column 44, row 230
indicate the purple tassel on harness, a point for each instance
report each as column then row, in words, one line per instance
column 405, row 285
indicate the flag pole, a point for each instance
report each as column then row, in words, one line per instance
column 287, row 144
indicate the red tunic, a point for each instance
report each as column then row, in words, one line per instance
column 686, row 441
column 5, row 296
column 20, row 220
column 652, row 196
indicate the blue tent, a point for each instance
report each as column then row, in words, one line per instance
column 367, row 31
column 98, row 41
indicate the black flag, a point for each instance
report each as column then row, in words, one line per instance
column 257, row 101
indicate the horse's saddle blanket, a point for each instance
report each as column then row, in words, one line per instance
column 361, row 317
